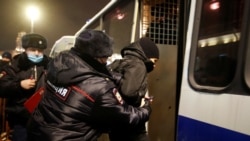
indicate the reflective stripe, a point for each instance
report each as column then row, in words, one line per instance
column 83, row 93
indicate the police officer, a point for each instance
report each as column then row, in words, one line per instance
column 21, row 79
column 80, row 100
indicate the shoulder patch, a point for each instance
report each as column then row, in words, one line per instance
column 60, row 92
column 118, row 96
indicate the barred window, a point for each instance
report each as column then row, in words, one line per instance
column 160, row 21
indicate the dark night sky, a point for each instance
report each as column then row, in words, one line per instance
column 57, row 18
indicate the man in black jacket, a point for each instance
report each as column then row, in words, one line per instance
column 21, row 79
column 138, row 60
column 81, row 100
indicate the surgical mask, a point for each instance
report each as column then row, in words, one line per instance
column 35, row 58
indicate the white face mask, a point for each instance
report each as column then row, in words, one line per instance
column 35, row 55
column 35, row 58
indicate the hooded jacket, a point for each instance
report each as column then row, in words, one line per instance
column 21, row 68
column 80, row 102
column 133, row 84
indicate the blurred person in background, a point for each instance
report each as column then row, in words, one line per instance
column 4, row 129
column 6, row 59
column 21, row 80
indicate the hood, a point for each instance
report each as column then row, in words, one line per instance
column 134, row 49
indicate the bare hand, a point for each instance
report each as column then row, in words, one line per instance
column 28, row 83
column 150, row 98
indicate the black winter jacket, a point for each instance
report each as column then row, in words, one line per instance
column 80, row 102
column 21, row 68
column 133, row 87
column 133, row 84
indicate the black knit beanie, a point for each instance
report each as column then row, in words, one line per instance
column 94, row 43
column 34, row 40
column 149, row 48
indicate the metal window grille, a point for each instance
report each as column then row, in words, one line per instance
column 160, row 21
